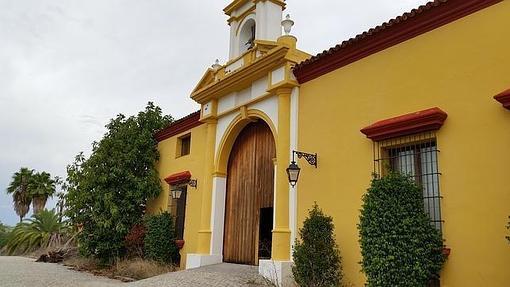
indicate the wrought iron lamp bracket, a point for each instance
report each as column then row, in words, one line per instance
column 192, row 183
column 310, row 158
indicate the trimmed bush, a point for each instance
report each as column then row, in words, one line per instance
column 317, row 260
column 399, row 245
column 160, row 239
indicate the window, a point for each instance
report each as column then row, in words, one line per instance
column 415, row 156
column 178, row 210
column 184, row 145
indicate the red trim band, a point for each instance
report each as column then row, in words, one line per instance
column 504, row 99
column 179, row 126
column 422, row 121
column 178, row 178
column 419, row 21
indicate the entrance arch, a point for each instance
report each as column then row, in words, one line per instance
column 249, row 199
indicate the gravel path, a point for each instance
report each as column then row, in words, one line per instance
column 21, row 272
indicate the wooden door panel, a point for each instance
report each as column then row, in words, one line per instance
column 250, row 184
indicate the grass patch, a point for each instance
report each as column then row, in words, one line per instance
column 139, row 269
column 126, row 270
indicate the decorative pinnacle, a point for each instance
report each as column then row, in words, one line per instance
column 216, row 66
column 287, row 24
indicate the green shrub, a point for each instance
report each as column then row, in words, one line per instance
column 317, row 260
column 160, row 238
column 399, row 245
column 107, row 193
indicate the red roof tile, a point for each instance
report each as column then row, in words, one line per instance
column 179, row 126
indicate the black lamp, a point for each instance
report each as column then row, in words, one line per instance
column 293, row 170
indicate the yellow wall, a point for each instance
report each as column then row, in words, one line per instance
column 459, row 68
column 169, row 164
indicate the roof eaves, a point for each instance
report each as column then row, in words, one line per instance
column 423, row 19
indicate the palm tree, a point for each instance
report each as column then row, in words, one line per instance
column 20, row 192
column 40, row 188
column 43, row 230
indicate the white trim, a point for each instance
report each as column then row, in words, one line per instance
column 200, row 260
column 274, row 194
column 294, row 108
column 221, row 129
column 218, row 214
column 268, row 106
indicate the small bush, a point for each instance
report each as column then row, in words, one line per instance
column 398, row 244
column 134, row 241
column 160, row 239
column 317, row 260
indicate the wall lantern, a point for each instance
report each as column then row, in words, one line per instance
column 177, row 192
column 179, row 189
column 293, row 170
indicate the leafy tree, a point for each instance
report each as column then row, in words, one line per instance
column 398, row 244
column 160, row 238
column 18, row 187
column 41, row 187
column 107, row 192
column 317, row 260
column 44, row 229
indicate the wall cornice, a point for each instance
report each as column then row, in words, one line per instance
column 408, row 124
column 242, row 77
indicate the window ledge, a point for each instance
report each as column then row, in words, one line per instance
column 504, row 99
column 413, row 123
column 178, row 178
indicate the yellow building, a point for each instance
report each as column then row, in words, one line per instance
column 424, row 93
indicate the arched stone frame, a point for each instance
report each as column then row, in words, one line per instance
column 219, row 178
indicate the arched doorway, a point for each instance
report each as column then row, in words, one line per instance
column 250, row 196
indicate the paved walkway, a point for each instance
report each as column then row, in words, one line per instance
column 21, row 272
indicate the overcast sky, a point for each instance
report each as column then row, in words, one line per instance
column 68, row 66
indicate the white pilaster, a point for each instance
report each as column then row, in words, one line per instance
column 218, row 214
column 294, row 108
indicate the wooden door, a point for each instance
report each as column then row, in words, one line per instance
column 250, row 187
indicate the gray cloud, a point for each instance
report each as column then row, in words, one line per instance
column 67, row 66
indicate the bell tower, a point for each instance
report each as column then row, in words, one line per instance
column 252, row 20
